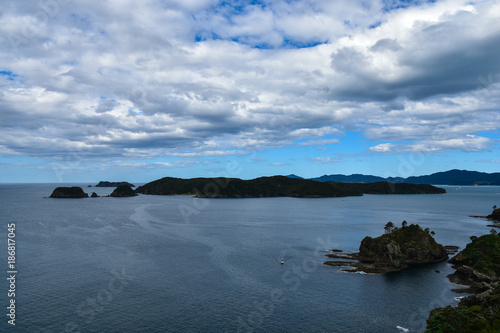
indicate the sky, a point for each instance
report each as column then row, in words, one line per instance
column 138, row 90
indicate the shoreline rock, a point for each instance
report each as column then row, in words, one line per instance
column 495, row 215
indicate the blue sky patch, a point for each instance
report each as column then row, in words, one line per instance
column 9, row 75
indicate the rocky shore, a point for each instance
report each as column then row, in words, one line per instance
column 477, row 268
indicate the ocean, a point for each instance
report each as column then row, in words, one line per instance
column 182, row 264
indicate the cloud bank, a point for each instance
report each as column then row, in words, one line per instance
column 140, row 80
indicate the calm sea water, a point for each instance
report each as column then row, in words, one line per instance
column 179, row 264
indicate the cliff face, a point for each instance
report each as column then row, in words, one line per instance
column 402, row 247
column 69, row 192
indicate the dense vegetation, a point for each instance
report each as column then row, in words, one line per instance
column 482, row 254
column 479, row 313
column 484, row 317
column 276, row 186
column 400, row 247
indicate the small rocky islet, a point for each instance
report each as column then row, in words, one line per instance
column 68, row 192
column 77, row 192
column 123, row 191
column 393, row 251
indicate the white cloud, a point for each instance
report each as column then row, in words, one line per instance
column 383, row 148
column 189, row 79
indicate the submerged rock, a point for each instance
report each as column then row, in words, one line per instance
column 69, row 192
column 123, row 191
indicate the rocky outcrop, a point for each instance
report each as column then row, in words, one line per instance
column 69, row 192
column 123, row 191
column 394, row 251
column 113, row 184
column 478, row 268
column 94, row 195
column 478, row 265
column 495, row 215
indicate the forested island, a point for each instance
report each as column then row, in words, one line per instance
column 276, row 186
column 113, row 184
column 393, row 251
column 68, row 192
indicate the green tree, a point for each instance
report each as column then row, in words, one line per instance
column 389, row 227
column 405, row 223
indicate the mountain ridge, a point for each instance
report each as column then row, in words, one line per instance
column 450, row 177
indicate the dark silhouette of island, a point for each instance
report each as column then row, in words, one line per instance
column 393, row 251
column 123, row 191
column 451, row 177
column 477, row 266
column 69, row 192
column 275, row 186
column 113, row 184
column 495, row 215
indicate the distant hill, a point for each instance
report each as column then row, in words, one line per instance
column 113, row 184
column 276, row 186
column 356, row 178
column 294, row 176
column 458, row 177
column 451, row 177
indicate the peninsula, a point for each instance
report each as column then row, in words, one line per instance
column 276, row 186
